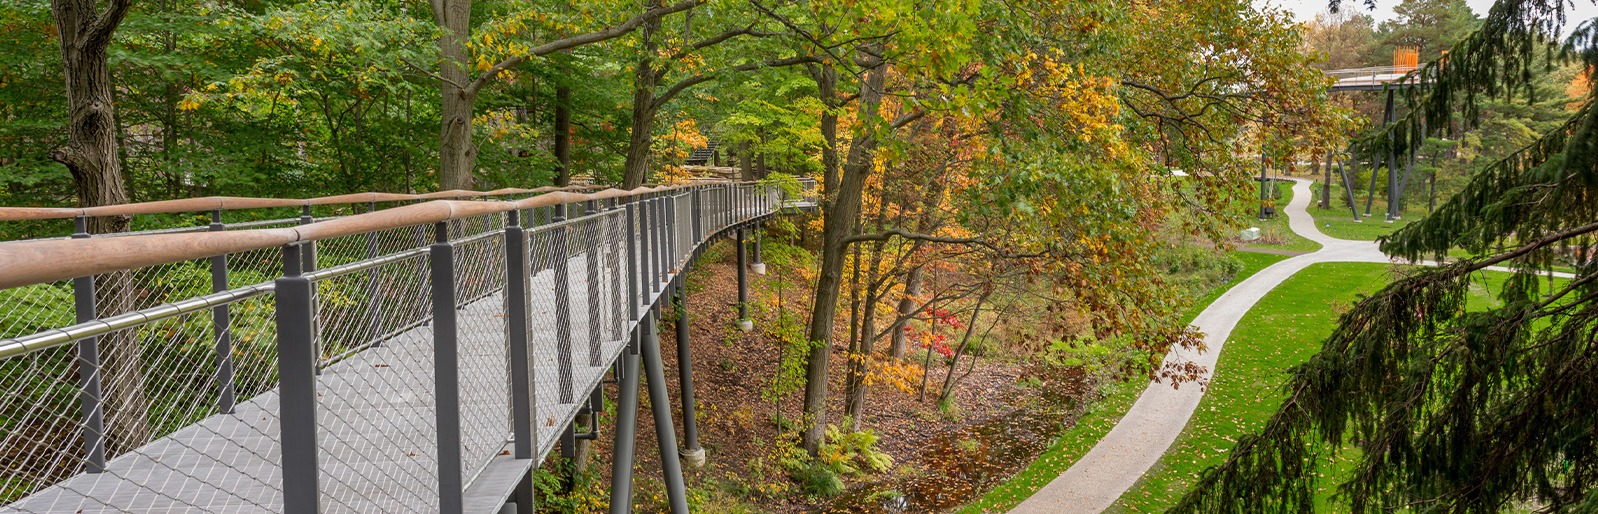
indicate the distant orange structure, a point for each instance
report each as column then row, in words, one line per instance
column 1406, row 58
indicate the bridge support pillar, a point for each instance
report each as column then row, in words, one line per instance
column 660, row 404
column 691, row 451
column 744, row 323
column 759, row 266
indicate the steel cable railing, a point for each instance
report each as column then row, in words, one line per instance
column 373, row 369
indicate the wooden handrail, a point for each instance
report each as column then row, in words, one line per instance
column 34, row 262
column 228, row 203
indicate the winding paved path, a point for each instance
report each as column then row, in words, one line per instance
column 1114, row 465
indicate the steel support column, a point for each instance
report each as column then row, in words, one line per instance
column 660, row 404
column 744, row 322
column 691, row 451
column 621, row 471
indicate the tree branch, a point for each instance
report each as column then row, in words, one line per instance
column 579, row 40
column 701, row 78
column 99, row 35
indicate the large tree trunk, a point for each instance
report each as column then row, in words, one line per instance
column 91, row 156
column 746, row 162
column 563, row 127
column 838, row 222
column 642, row 136
column 827, row 89
column 456, row 153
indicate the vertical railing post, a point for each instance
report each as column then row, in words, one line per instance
column 522, row 393
column 591, row 253
column 297, row 403
column 308, row 264
column 563, row 330
column 516, row 333
column 372, row 311
column 634, row 287
column 671, row 232
column 221, row 322
column 89, row 390
column 446, row 371
column 614, row 235
column 697, row 211
column 646, row 260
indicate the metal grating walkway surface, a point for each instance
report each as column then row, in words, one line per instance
column 162, row 476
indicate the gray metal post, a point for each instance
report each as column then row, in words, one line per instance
column 308, row 263
column 665, row 433
column 521, row 378
column 621, row 471
column 89, row 390
column 563, row 315
column 221, row 323
column 662, row 262
column 1347, row 189
column 757, row 264
column 630, row 233
column 297, row 403
column 591, row 262
column 695, row 209
column 516, row 333
column 671, row 233
column 446, row 371
column 614, row 234
column 646, row 260
column 685, row 378
column 743, row 284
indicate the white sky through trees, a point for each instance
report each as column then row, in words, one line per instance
column 1305, row 10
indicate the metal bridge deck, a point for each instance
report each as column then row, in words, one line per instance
column 387, row 388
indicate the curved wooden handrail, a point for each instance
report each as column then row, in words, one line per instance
column 228, row 203
column 33, row 262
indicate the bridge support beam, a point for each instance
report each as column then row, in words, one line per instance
column 759, row 265
column 660, row 404
column 744, row 323
column 621, row 471
column 1348, row 189
column 691, row 451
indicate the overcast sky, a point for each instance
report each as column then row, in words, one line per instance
column 1304, row 10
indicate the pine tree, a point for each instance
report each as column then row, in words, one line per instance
column 1444, row 409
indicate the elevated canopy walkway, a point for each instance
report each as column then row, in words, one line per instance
column 420, row 358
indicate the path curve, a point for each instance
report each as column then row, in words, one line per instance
column 1119, row 459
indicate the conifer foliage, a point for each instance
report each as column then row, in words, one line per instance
column 1446, row 409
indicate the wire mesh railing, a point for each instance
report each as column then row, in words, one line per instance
column 378, row 362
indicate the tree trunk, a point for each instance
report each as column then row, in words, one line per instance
column 457, row 155
column 907, row 306
column 827, row 89
column 636, row 171
column 746, row 162
column 563, row 127
column 1326, row 192
column 837, row 224
column 90, row 154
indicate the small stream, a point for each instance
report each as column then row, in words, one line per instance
column 963, row 464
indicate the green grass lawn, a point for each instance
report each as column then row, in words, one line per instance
column 1276, row 228
column 1338, row 222
column 1284, row 329
column 1099, row 417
